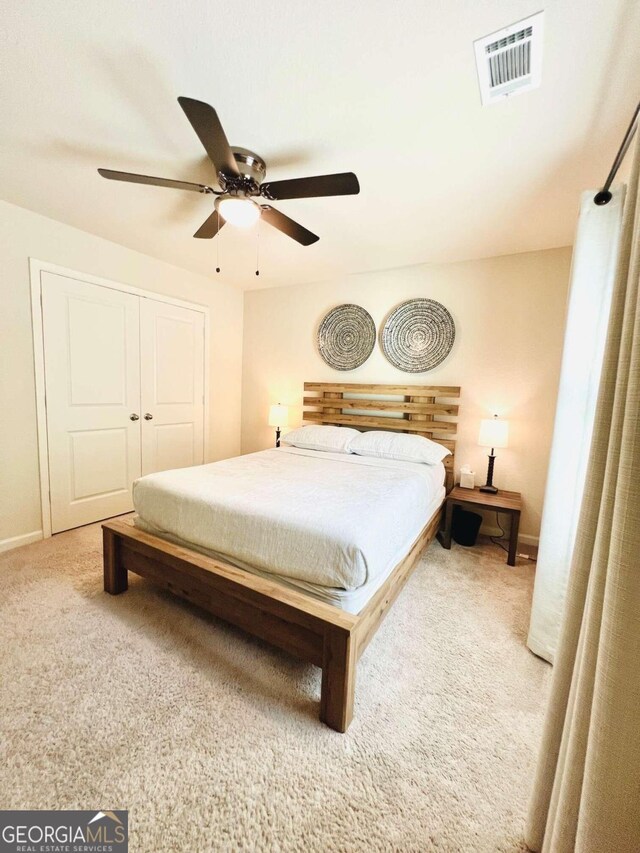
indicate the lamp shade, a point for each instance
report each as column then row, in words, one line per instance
column 278, row 415
column 493, row 432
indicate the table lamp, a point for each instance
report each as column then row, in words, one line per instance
column 278, row 417
column 493, row 433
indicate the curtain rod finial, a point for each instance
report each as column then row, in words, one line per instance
column 603, row 197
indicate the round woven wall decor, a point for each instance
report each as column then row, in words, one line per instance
column 346, row 337
column 418, row 335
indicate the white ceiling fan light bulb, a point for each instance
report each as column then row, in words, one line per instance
column 239, row 211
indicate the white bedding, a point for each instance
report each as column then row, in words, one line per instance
column 329, row 519
column 351, row 600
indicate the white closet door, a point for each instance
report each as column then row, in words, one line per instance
column 172, row 376
column 92, row 374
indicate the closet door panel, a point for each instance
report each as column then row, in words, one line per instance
column 172, row 382
column 92, row 377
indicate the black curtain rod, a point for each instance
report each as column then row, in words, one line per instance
column 604, row 196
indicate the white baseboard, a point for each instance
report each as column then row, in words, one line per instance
column 17, row 541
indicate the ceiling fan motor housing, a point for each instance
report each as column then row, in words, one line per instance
column 250, row 165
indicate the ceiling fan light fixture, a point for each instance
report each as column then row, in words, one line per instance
column 239, row 211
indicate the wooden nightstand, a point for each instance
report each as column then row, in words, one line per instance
column 509, row 502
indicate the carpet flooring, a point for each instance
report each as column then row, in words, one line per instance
column 211, row 739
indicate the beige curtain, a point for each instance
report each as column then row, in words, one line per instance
column 587, row 787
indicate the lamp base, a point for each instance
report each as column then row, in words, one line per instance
column 491, row 489
column 488, row 486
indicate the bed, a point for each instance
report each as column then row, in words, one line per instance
column 304, row 549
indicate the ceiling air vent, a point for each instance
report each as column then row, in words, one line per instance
column 510, row 61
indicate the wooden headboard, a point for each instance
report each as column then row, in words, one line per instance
column 423, row 409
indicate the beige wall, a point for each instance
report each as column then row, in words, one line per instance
column 23, row 235
column 509, row 314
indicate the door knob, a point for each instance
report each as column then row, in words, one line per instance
column 148, row 417
column 134, row 417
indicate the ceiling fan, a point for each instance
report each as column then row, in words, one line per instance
column 240, row 176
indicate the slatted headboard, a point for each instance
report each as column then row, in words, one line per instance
column 423, row 409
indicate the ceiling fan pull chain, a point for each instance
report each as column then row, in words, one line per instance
column 218, row 244
column 258, row 249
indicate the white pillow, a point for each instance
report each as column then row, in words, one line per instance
column 401, row 446
column 333, row 439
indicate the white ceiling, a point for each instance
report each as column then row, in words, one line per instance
column 387, row 90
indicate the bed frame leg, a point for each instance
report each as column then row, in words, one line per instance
column 115, row 576
column 338, row 679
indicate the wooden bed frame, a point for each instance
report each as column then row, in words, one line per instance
column 309, row 629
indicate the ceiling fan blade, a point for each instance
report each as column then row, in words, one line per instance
column 287, row 226
column 204, row 120
column 344, row 183
column 210, row 226
column 158, row 182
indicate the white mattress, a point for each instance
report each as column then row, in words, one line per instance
column 331, row 524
